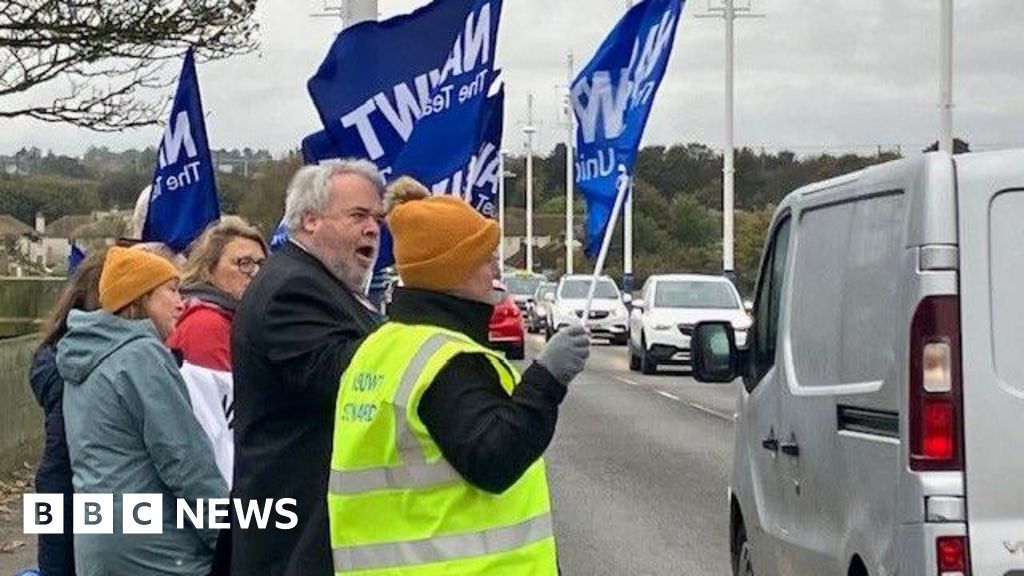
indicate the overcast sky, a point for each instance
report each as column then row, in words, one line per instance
column 811, row 76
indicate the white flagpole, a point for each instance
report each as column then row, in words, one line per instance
column 622, row 187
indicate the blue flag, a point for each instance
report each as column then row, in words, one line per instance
column 475, row 178
column 612, row 98
column 411, row 94
column 319, row 146
column 184, row 195
column 280, row 236
column 75, row 257
column 410, row 88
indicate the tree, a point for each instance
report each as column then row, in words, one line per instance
column 751, row 230
column 109, row 55
column 693, row 225
column 263, row 204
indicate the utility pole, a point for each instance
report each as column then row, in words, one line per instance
column 729, row 11
column 362, row 11
column 529, row 131
column 946, row 78
column 570, row 137
column 351, row 12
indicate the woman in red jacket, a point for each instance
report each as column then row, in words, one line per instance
column 222, row 262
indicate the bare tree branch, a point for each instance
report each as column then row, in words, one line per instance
column 110, row 53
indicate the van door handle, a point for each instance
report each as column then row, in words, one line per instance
column 790, row 449
column 770, row 444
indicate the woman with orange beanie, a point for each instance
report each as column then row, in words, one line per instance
column 437, row 438
column 129, row 425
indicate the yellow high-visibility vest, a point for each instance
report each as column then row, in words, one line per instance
column 395, row 504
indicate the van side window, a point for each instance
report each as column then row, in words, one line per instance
column 766, row 307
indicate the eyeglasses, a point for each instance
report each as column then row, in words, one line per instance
column 248, row 265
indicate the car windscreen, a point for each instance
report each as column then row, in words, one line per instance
column 686, row 294
column 578, row 289
column 543, row 289
column 522, row 285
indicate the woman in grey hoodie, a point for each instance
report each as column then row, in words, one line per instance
column 128, row 420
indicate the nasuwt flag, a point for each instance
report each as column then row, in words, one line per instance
column 476, row 180
column 475, row 177
column 184, row 194
column 612, row 99
column 75, row 257
column 280, row 236
column 411, row 94
column 319, row 146
column 419, row 78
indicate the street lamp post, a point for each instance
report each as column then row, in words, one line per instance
column 946, row 78
column 729, row 170
column 361, row 11
column 627, row 227
column 569, row 181
column 729, row 11
column 529, row 131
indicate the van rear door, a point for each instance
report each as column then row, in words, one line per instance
column 990, row 190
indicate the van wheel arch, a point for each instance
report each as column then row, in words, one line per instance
column 737, row 536
column 857, row 567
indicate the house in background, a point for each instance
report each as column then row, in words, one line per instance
column 548, row 240
column 44, row 249
column 16, row 240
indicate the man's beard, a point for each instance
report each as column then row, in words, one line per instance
column 346, row 269
column 352, row 275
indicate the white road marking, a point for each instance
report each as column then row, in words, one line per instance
column 711, row 412
column 627, row 381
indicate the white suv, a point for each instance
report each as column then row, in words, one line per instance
column 669, row 307
column 608, row 315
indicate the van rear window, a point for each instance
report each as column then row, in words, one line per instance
column 846, row 286
column 1006, row 246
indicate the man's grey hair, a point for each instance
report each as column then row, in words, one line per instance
column 309, row 191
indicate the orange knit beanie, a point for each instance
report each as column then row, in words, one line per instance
column 438, row 240
column 130, row 274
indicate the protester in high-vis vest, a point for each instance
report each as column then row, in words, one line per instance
column 437, row 467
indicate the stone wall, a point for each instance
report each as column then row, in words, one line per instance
column 21, row 418
column 25, row 302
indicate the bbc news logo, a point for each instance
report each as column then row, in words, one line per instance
column 144, row 513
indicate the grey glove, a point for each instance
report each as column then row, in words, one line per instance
column 565, row 355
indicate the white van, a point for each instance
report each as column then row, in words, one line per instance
column 879, row 430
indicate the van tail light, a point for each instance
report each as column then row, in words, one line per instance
column 936, row 390
column 951, row 553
